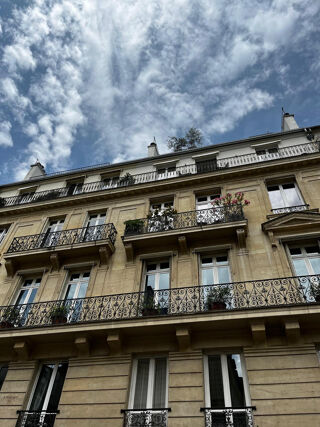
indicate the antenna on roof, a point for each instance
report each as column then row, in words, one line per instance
column 283, row 112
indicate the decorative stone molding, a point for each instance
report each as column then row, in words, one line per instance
column 184, row 338
column 258, row 331
column 83, row 346
column 21, row 350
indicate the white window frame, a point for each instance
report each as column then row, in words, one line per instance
column 303, row 255
column 283, row 195
column 206, row 204
column 150, row 380
column 162, row 205
column 3, row 232
column 169, row 172
column 98, row 217
column 29, row 288
column 157, row 273
column 69, row 281
column 214, row 267
column 225, row 380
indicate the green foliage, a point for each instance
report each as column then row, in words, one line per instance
column 59, row 311
column 219, row 294
column 315, row 291
column 133, row 225
column 127, row 179
column 192, row 139
column 11, row 314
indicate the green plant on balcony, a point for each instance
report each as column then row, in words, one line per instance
column 218, row 297
column 315, row 291
column 134, row 226
column 59, row 314
column 127, row 179
column 10, row 317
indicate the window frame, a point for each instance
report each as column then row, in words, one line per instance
column 68, row 281
column 225, row 378
column 157, row 261
column 303, row 255
column 214, row 267
column 151, row 375
column 210, row 197
column 283, row 195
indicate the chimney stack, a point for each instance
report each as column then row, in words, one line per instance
column 153, row 149
column 288, row 122
column 36, row 170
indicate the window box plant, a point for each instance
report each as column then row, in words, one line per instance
column 10, row 317
column 134, row 226
column 218, row 297
column 127, row 179
column 59, row 314
column 315, row 291
column 161, row 220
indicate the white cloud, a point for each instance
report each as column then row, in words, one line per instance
column 133, row 70
column 5, row 135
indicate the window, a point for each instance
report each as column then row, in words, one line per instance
column 149, row 384
column 305, row 259
column 161, row 206
column 110, row 182
column 46, row 395
column 94, row 227
column 156, row 284
column 74, row 187
column 25, row 298
column 3, row 232
column 76, row 290
column 205, row 202
column 166, row 172
column 226, row 386
column 268, row 152
column 284, row 196
column 214, row 269
column 26, row 195
column 3, row 374
column 206, row 165
column 51, row 237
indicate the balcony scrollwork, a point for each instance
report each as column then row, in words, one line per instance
column 229, row 417
column 36, row 418
column 146, row 417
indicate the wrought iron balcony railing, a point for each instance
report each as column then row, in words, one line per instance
column 289, row 209
column 165, row 222
column 145, row 417
column 125, row 181
column 63, row 238
column 229, row 417
column 257, row 294
column 36, row 418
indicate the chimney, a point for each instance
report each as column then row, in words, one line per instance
column 288, row 122
column 153, row 149
column 36, row 170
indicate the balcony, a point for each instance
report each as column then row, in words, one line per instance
column 250, row 295
column 49, row 246
column 289, row 209
column 183, row 228
column 229, row 417
column 203, row 167
column 145, row 417
column 36, row 418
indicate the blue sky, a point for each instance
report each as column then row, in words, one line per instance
column 86, row 82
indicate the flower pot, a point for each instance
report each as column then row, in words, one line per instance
column 149, row 312
column 56, row 320
column 5, row 324
column 217, row 305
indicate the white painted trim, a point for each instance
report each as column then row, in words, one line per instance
column 225, row 380
column 266, row 144
column 151, row 374
column 206, row 381
column 133, row 383
column 245, row 380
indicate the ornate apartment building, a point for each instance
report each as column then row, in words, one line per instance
column 151, row 293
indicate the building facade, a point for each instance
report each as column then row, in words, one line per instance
column 149, row 293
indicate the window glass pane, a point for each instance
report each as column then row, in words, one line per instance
column 222, row 259
column 288, row 186
column 215, row 382
column 57, row 387
column 292, row 197
column 151, row 267
column 164, row 281
column 41, row 388
column 82, row 290
column 160, row 383
column 295, row 251
column 3, row 373
column 141, row 389
column 75, row 276
column 236, row 380
column 27, row 282
column 223, row 274
column 315, row 263
column 202, row 199
column 164, row 265
column 300, row 267
column 275, row 198
column 32, row 295
column 22, row 297
column 150, row 280
column 86, row 274
column 206, row 261
column 312, row 249
column 207, row 276
column 71, row 291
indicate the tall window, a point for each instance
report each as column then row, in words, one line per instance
column 26, row 297
column 284, row 196
column 305, row 259
column 226, row 387
column 3, row 232
column 94, row 231
column 76, row 290
column 214, row 269
column 205, row 202
column 3, row 374
column 149, row 384
column 46, row 395
column 157, row 275
column 52, row 235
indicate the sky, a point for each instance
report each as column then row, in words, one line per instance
column 94, row 81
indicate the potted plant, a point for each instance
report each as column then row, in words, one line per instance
column 231, row 206
column 315, row 291
column 161, row 220
column 59, row 314
column 149, row 308
column 134, row 226
column 127, row 179
column 10, row 317
column 218, row 297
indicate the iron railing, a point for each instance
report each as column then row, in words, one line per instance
column 36, row 418
column 257, row 294
column 167, row 222
column 229, row 417
column 289, row 209
column 145, row 417
column 128, row 180
column 64, row 237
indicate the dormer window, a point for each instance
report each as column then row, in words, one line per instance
column 26, row 194
column 75, row 186
column 265, row 151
